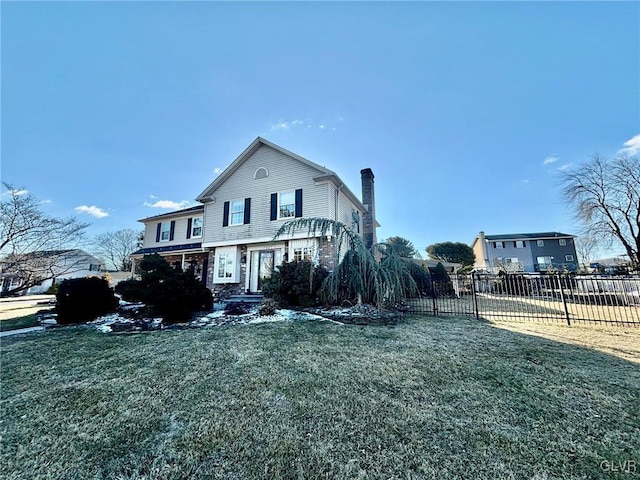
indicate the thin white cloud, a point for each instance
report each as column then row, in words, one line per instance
column 524, row 182
column 153, row 197
column 286, row 125
column 92, row 210
column 565, row 167
column 217, row 170
column 46, row 202
column 550, row 159
column 168, row 204
column 321, row 127
column 631, row 146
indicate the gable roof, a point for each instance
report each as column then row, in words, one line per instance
column 175, row 213
column 324, row 174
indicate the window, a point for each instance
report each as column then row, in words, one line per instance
column 196, row 227
column 261, row 173
column 544, row 261
column 540, row 243
column 568, row 258
column 511, row 260
column 237, row 212
column 562, row 242
column 499, row 244
column 94, row 268
column 225, row 265
column 519, row 243
column 165, row 232
column 286, row 205
column 301, row 253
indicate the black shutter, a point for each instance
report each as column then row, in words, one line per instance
column 247, row 210
column 158, row 232
column 173, row 230
column 189, row 223
column 298, row 203
column 274, row 206
column 225, row 215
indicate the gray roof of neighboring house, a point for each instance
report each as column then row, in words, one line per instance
column 175, row 213
column 528, row 236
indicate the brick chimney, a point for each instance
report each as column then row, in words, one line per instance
column 369, row 201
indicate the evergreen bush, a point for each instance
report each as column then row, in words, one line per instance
column 441, row 281
column 295, row 283
column 83, row 299
column 169, row 292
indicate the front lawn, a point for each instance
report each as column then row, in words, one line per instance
column 430, row 398
column 19, row 322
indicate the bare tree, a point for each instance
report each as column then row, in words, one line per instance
column 116, row 247
column 585, row 248
column 605, row 194
column 34, row 247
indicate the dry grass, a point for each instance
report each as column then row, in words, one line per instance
column 431, row 398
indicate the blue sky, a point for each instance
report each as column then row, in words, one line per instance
column 466, row 112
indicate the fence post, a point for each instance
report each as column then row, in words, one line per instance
column 433, row 298
column 564, row 300
column 475, row 297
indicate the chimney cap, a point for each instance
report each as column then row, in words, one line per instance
column 367, row 172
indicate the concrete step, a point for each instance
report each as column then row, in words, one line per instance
column 246, row 298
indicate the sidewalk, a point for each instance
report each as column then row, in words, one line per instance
column 21, row 330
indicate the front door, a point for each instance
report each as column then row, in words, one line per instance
column 266, row 259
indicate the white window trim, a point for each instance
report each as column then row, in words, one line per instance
column 499, row 245
column 220, row 251
column 521, row 242
column 540, row 243
column 562, row 242
column 168, row 231
column 193, row 227
column 293, row 192
column 309, row 243
column 567, row 259
column 231, row 212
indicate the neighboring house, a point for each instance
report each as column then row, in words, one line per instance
column 525, row 252
column 243, row 208
column 54, row 266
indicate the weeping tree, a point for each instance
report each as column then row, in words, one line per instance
column 358, row 274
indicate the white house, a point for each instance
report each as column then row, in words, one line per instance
column 53, row 266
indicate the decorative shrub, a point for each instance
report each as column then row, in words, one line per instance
column 236, row 308
column 169, row 292
column 268, row 307
column 83, row 299
column 130, row 290
column 295, row 283
column 441, row 281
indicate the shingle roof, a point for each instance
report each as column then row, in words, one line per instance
column 528, row 236
column 174, row 213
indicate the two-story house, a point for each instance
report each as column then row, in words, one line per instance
column 525, row 252
column 229, row 238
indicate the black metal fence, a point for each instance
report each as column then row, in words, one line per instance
column 613, row 300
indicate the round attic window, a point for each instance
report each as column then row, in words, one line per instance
column 261, row 173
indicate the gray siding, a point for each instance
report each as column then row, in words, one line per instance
column 179, row 236
column 285, row 174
